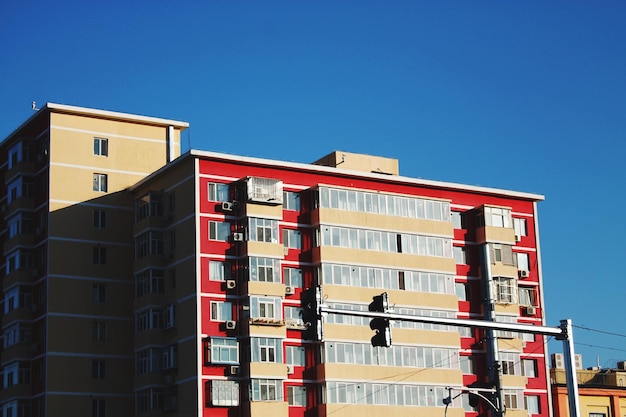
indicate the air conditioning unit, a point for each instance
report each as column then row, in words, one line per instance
column 621, row 365
column 289, row 290
column 530, row 310
column 518, row 238
column 227, row 206
column 231, row 284
column 578, row 361
column 524, row 273
column 558, row 361
column 231, row 325
column 234, row 370
column 289, row 369
column 238, row 237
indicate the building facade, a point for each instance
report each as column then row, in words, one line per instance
column 174, row 286
column 601, row 392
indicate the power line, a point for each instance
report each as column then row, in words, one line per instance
column 599, row 331
column 600, row 347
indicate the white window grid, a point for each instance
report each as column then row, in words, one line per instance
column 264, row 269
column 387, row 204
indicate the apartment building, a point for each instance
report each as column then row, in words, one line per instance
column 601, row 391
column 66, row 229
column 177, row 288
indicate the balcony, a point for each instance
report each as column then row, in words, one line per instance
column 22, row 275
column 17, row 314
column 21, row 203
column 21, row 239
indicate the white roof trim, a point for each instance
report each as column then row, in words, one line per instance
column 115, row 115
column 390, row 178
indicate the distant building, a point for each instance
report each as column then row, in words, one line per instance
column 601, row 392
column 139, row 281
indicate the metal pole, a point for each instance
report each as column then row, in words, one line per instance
column 571, row 379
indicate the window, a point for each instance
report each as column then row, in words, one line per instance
column 597, row 415
column 265, row 307
column 467, row 364
column 100, row 182
column 510, row 363
column 20, row 187
column 149, row 399
column 531, row 404
column 293, row 317
column 221, row 311
column 16, row 373
column 519, row 225
column 267, row 390
column 527, row 296
column 460, row 256
column 149, row 243
column 458, row 219
column 18, row 333
column 18, row 260
column 15, row 155
column 505, row 290
column 98, row 369
column 522, row 261
column 292, row 239
column 265, row 190
column 148, row 319
column 264, row 269
column 98, row 408
column 170, row 357
column 377, row 203
column 294, row 355
column 291, row 201
column 497, row 217
column 169, row 316
column 148, row 205
column 501, row 253
column 99, row 255
column 19, row 224
column 266, row 349
column 219, row 271
column 149, row 360
column 512, row 399
column 263, row 230
column 17, row 297
column 99, row 331
column 99, row 293
column 218, row 192
column 219, row 231
column 530, row 368
column 462, row 291
column 101, row 146
column 150, row 281
column 222, row 350
column 292, row 277
column 224, row 393
column 296, row 396
column 99, row 219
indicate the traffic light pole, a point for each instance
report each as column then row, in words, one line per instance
column 563, row 333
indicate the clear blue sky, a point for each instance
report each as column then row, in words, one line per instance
column 529, row 96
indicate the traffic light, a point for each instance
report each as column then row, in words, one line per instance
column 381, row 325
column 311, row 300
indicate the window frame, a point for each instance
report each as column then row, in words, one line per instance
column 100, row 182
column 100, row 146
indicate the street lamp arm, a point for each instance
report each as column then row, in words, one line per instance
column 448, row 400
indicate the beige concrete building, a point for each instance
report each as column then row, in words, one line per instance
column 67, row 216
